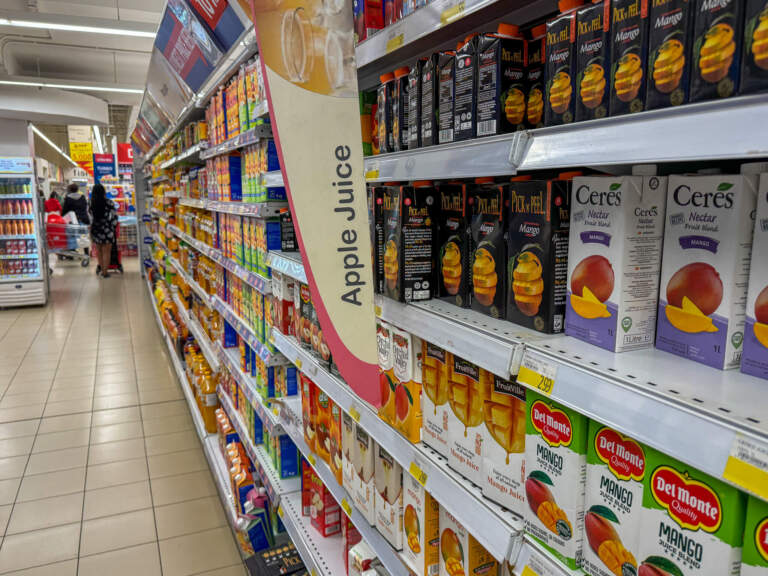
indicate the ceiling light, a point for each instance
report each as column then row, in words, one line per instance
column 75, row 28
column 97, row 133
column 52, row 145
column 73, row 86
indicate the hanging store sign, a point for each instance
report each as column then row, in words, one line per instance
column 220, row 20
column 81, row 146
column 103, row 165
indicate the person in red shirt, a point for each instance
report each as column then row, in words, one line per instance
column 53, row 204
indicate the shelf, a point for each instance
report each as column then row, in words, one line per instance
column 245, row 332
column 256, row 209
column 196, row 288
column 14, row 196
column 32, row 256
column 221, row 477
column 194, row 202
column 17, row 237
column 192, row 154
column 288, row 263
column 159, row 179
column 156, row 238
column 4, row 278
column 539, row 561
column 17, row 216
column 172, row 194
column 206, row 346
column 250, row 136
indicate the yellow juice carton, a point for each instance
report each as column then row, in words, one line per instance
column 348, row 454
column 336, row 459
column 754, row 561
column 504, row 442
column 364, row 485
column 460, row 553
column 556, row 464
column 386, row 371
column 421, row 516
column 406, row 354
column 388, row 499
column 434, row 399
column 614, row 502
column 692, row 524
column 466, row 397
column 755, row 358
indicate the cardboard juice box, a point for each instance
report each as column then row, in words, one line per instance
column 364, row 488
column 460, row 553
column 400, row 104
column 488, row 226
column 309, row 411
column 435, row 365
column 385, row 96
column 754, row 64
column 755, row 358
column 348, row 454
column 454, row 244
column 377, row 208
column 307, row 316
column 388, row 498
column 446, row 73
column 556, row 464
column 504, row 442
column 593, row 60
column 669, row 52
column 614, row 501
column 421, row 530
column 561, row 65
column 754, row 561
column 614, row 260
column 629, row 55
column 384, row 334
column 322, row 424
column 465, row 91
column 705, row 269
column 430, row 97
column 692, row 524
column 336, row 460
column 406, row 354
column 537, row 248
column 414, row 103
column 535, row 79
column 717, row 39
column 467, row 394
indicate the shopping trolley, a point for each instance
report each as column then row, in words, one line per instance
column 66, row 239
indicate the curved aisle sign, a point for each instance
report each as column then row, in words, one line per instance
column 308, row 63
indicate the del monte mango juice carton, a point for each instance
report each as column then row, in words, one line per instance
column 754, row 65
column 614, row 260
column 755, row 358
column 386, row 371
column 466, row 397
column 754, row 561
column 561, row 65
column 692, row 524
column 454, row 244
column 629, row 47
column 593, row 60
column 421, row 530
column 406, row 353
column 669, row 52
column 614, row 501
column 434, row 399
column 556, row 468
column 707, row 243
column 535, row 77
column 460, row 553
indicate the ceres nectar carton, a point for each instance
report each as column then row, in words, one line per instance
column 421, row 530
column 614, row 259
column 384, row 333
column 755, row 358
column 692, row 524
column 754, row 561
column 406, row 353
column 707, row 243
column 388, row 498
column 460, row 553
column 556, row 468
column 435, row 365
column 614, row 501
column 364, row 482
column 467, row 394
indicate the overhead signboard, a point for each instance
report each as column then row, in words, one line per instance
column 165, row 87
column 81, row 146
column 103, row 165
column 220, row 20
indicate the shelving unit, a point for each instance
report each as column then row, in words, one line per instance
column 191, row 154
column 288, row 263
column 245, row 332
column 243, row 139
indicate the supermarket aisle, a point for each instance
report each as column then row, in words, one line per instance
column 101, row 471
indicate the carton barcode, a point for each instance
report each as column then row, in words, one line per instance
column 487, row 127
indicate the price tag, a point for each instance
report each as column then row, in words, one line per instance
column 346, row 506
column 275, row 411
column 354, row 413
column 395, row 42
column 298, row 363
column 418, row 473
column 377, row 309
column 528, row 571
column 537, row 373
column 372, row 175
column 313, row 572
column 452, row 13
column 312, row 459
column 280, row 510
column 747, row 465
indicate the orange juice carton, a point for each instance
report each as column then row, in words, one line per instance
column 384, row 334
column 309, row 411
column 364, row 481
column 561, row 64
column 467, row 395
column 322, row 411
column 460, row 553
column 348, row 454
column 629, row 55
column 705, row 270
column 336, row 461
column 421, row 531
column 504, row 442
column 754, row 561
column 388, row 498
column 691, row 523
column 406, row 353
column 614, row 259
column 535, row 79
column 754, row 64
column 755, row 358
column 669, row 52
column 615, row 481
column 454, row 244
column 434, row 399
column 556, row 465
column 593, row 60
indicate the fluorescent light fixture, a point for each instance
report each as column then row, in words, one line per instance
column 52, row 145
column 97, row 132
column 75, row 28
column 72, row 86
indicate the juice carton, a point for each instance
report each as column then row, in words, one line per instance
column 309, row 411
column 755, row 358
column 384, row 334
column 366, row 100
column 369, row 17
column 707, row 243
column 669, row 53
column 465, row 91
column 629, row 49
column 504, row 443
column 384, row 97
column 561, row 64
column 350, row 536
column 414, row 104
column 691, row 523
column 421, row 514
column 434, row 400
column 754, row 561
column 460, row 553
column 446, row 72
column 593, row 60
column 616, row 227
column 324, row 511
column 717, row 37
column 348, row 453
column 467, row 395
column 322, row 424
column 754, row 64
column 388, row 499
column 307, row 316
column 488, row 226
column 406, row 353
column 615, row 480
column 377, row 237
column 364, row 488
column 537, row 247
column 400, row 109
column 555, row 460
column 535, row 80
column 335, row 442
column 454, row 243
column 430, row 96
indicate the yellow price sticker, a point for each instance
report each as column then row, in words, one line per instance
column 346, row 506
column 354, row 413
column 395, row 42
column 372, row 175
column 280, row 511
column 313, row 572
column 452, row 13
column 528, row 571
column 312, row 459
column 418, row 473
column 537, row 374
column 298, row 363
column 275, row 411
column 747, row 465
column 377, row 309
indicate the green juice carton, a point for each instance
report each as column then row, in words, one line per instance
column 556, row 466
column 692, row 524
column 614, row 500
column 754, row 561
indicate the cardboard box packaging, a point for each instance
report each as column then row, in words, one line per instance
column 460, row 553
column 560, row 104
column 406, row 353
column 754, row 560
column 755, row 358
column 754, row 65
column 436, row 364
column 364, row 488
column 629, row 55
column 421, row 530
column 593, row 60
column 670, row 42
column 454, row 245
column 467, row 394
column 488, row 227
column 535, row 78
column 389, row 498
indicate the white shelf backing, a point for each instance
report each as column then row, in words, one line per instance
column 288, row 263
column 245, row 332
column 246, row 138
column 221, row 477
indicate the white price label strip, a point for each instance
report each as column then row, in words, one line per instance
column 537, row 373
column 747, row 465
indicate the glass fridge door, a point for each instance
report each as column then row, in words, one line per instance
column 20, row 236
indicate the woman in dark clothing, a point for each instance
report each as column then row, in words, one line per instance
column 76, row 202
column 103, row 227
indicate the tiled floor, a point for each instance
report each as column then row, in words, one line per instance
column 101, row 471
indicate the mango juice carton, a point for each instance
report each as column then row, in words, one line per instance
column 446, row 73
column 535, row 78
column 377, row 207
column 384, row 100
column 629, row 55
column 537, row 248
column 669, row 52
column 460, row 553
column 614, row 500
column 488, row 226
column 322, row 412
column 388, row 498
column 717, row 38
column 754, row 64
column 400, row 109
column 707, row 243
column 414, row 104
column 348, row 454
column 755, row 358
column 691, row 524
column 467, row 394
column 435, row 365
column 336, row 461
column 465, row 91
column 556, row 464
column 504, row 442
column 454, row 245
column 429, row 93
column 384, row 333
column 421, row 530
column 364, row 488
column 406, row 353
column 754, row 561
column 561, row 65
column 614, row 259
column 593, row 60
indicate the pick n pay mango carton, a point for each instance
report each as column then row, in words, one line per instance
column 692, row 524
column 754, row 561
column 755, row 358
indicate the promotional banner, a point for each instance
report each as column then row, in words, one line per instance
column 220, row 20
column 124, row 153
column 165, row 87
column 103, row 165
column 308, row 58
column 81, row 146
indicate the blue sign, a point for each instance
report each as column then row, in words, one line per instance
column 103, row 165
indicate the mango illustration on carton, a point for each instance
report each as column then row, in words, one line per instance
column 406, row 353
column 386, row 371
column 421, row 528
column 460, row 553
column 434, row 377
column 466, row 397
